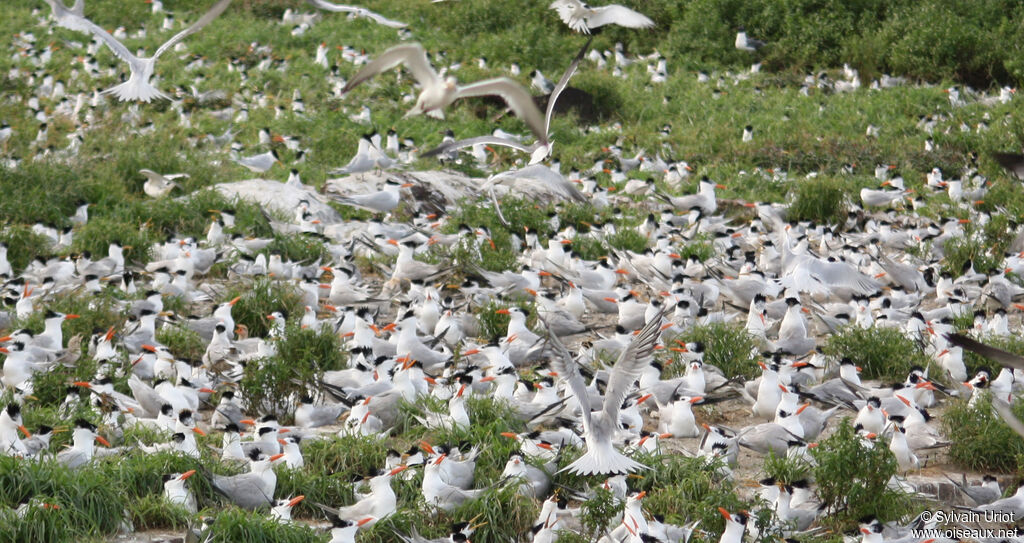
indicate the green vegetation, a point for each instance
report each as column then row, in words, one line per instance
column 851, row 477
column 983, row 442
column 726, row 345
column 821, row 201
column 881, row 353
column 272, row 385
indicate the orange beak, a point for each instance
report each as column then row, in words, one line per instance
column 276, row 457
column 295, row 501
column 725, row 514
column 235, row 300
column 25, row 431
column 502, row 311
column 70, row 316
column 187, row 474
column 364, row 521
column 198, row 431
column 103, row 441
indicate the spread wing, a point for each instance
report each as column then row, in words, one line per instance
column 486, row 140
column 619, row 15
column 631, row 362
column 1013, row 162
column 214, row 12
column 358, row 11
column 1005, row 358
column 116, row 47
column 562, row 83
column 412, row 55
column 569, row 369
column 515, row 96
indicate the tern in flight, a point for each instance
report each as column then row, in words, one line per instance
column 599, row 426
column 137, row 87
column 440, row 92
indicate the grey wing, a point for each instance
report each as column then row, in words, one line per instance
column 620, row 15
column 115, row 46
column 412, row 55
column 1003, row 357
column 562, row 83
column 631, row 362
column 486, row 140
column 1013, row 162
column 214, row 12
column 1012, row 421
column 568, row 369
column 565, row 8
column 78, row 8
column 380, row 19
column 517, row 98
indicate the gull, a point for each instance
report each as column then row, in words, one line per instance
column 600, row 426
column 439, row 93
column 158, row 185
column 583, row 18
column 539, row 150
column 356, row 12
column 137, row 87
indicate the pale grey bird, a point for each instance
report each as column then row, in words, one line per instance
column 583, row 18
column 745, row 43
column 176, row 493
column 356, row 11
column 159, row 185
column 600, row 426
column 439, row 93
column 137, row 87
column 250, row 490
column 259, row 163
column 83, row 446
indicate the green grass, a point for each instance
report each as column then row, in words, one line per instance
column 983, row 442
column 273, row 384
column 851, row 478
column 881, row 353
column 727, row 346
column 935, row 40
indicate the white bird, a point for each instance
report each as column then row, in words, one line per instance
column 540, row 149
column 176, row 493
column 382, row 201
column 137, row 87
column 583, row 18
column 356, row 11
column 743, row 43
column 158, row 185
column 600, row 426
column 261, row 162
column 439, row 93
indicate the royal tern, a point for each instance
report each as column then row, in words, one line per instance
column 439, row 93
column 177, row 494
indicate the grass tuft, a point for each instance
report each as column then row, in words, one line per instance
column 881, row 353
column 983, row 442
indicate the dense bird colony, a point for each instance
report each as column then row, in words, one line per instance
column 499, row 349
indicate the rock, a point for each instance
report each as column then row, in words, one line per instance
column 279, row 197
